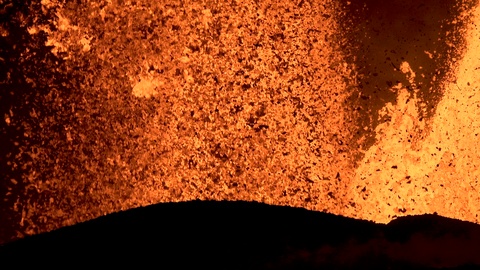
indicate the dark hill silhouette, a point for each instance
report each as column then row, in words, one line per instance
column 247, row 235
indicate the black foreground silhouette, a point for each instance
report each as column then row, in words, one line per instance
column 248, row 235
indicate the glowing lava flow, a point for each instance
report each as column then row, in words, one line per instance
column 412, row 171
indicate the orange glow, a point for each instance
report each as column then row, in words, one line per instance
column 248, row 101
column 438, row 173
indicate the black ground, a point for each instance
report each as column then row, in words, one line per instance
column 244, row 235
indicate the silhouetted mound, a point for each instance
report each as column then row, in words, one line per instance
column 244, row 235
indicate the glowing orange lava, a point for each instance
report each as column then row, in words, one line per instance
column 245, row 100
